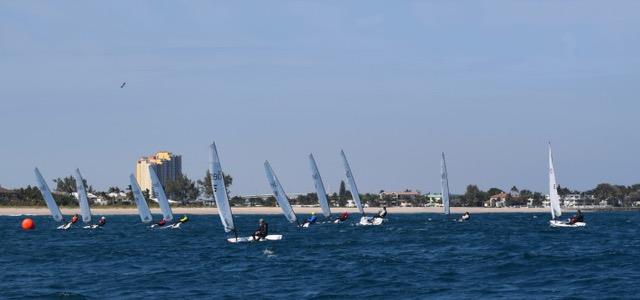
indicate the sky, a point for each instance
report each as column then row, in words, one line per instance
column 393, row 83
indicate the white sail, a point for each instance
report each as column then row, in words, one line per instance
column 554, row 198
column 279, row 193
column 320, row 191
column 219, row 190
column 141, row 203
column 445, row 186
column 83, row 199
column 167, row 215
column 48, row 197
column 352, row 183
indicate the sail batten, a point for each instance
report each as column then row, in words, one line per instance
column 48, row 197
column 352, row 183
column 167, row 215
column 83, row 198
column 554, row 198
column 141, row 203
column 319, row 185
column 445, row 186
column 279, row 193
column 220, row 190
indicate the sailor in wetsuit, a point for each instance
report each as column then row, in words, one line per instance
column 74, row 220
column 161, row 223
column 577, row 218
column 311, row 220
column 102, row 221
column 382, row 213
column 184, row 219
column 262, row 231
column 343, row 216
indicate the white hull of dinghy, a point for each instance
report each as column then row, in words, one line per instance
column 556, row 223
column 369, row 221
column 65, row 226
column 248, row 239
column 172, row 226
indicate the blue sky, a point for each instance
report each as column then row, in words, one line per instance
column 391, row 83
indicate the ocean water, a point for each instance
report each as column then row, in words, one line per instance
column 494, row 256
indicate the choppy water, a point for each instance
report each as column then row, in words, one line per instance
column 509, row 256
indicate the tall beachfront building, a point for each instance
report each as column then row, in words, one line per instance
column 167, row 165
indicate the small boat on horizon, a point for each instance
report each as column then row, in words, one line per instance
column 554, row 199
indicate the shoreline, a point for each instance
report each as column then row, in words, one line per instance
column 41, row 211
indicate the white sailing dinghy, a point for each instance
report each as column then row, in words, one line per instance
column 554, row 199
column 83, row 200
column 320, row 191
column 222, row 200
column 51, row 203
column 364, row 220
column 141, row 203
column 444, row 185
column 167, row 214
column 280, row 195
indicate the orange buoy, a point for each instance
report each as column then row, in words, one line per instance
column 28, row 224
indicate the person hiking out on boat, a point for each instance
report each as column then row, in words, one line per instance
column 262, row 231
column 577, row 218
column 184, row 219
column 102, row 221
column 161, row 223
column 343, row 216
column 381, row 213
column 311, row 220
column 466, row 216
column 74, row 220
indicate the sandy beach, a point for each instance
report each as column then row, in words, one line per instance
column 12, row 211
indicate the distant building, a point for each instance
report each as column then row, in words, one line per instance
column 498, row 200
column 578, row 200
column 397, row 198
column 167, row 165
column 6, row 194
column 434, row 199
column 408, row 195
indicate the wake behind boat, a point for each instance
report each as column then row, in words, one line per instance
column 554, row 200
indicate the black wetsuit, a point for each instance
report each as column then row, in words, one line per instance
column 262, row 231
column 579, row 217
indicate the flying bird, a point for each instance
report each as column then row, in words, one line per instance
column 123, row 84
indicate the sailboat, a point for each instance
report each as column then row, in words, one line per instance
column 444, row 182
column 222, row 200
column 320, row 191
column 83, row 200
column 167, row 214
column 554, row 199
column 51, row 203
column 141, row 203
column 280, row 195
column 364, row 220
